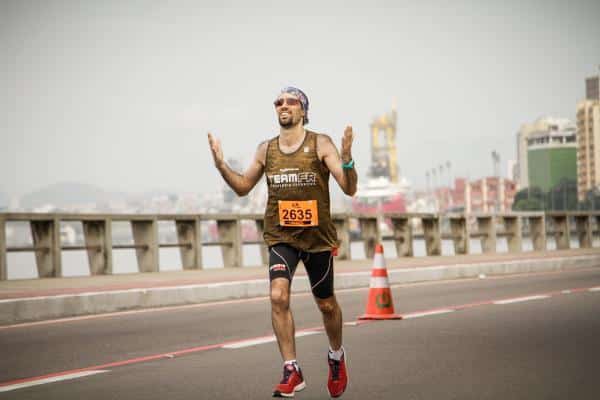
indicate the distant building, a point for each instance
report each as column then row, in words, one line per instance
column 546, row 133
column 592, row 88
column 552, row 156
column 489, row 194
column 588, row 157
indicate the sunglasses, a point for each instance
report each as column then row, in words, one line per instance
column 290, row 101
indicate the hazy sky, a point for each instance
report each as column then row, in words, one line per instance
column 120, row 94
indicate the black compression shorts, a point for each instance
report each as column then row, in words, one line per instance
column 283, row 260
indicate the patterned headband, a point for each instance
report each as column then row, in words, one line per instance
column 301, row 96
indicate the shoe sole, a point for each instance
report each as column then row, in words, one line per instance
column 298, row 388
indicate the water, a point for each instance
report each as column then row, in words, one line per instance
column 75, row 263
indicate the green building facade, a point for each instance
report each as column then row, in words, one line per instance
column 549, row 165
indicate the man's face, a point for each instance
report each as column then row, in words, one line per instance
column 289, row 112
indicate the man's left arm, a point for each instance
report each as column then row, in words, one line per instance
column 340, row 166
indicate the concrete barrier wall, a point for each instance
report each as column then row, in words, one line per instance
column 405, row 227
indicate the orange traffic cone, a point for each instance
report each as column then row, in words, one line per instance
column 380, row 304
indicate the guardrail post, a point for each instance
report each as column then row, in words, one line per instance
column 188, row 236
column 98, row 233
column 264, row 249
column 230, row 231
column 3, row 265
column 145, row 233
column 431, row 233
column 486, row 227
column 512, row 226
column 583, row 225
column 56, row 248
column 562, row 232
column 342, row 226
column 369, row 231
column 596, row 218
column 46, row 238
column 403, row 237
column 537, row 231
column 460, row 234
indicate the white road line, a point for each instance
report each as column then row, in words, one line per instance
column 49, row 380
column 566, row 292
column 594, row 289
column 262, row 340
column 520, row 299
column 425, row 313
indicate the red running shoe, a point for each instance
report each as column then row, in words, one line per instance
column 292, row 381
column 338, row 376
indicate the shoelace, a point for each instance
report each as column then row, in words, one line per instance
column 286, row 375
column 335, row 369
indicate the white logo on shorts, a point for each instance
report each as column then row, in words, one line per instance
column 277, row 267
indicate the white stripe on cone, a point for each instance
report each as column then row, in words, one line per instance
column 378, row 261
column 379, row 283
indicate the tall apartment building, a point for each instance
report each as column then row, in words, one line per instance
column 547, row 133
column 588, row 138
column 592, row 88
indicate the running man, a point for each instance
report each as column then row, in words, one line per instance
column 298, row 226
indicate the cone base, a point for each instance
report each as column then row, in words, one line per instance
column 380, row 316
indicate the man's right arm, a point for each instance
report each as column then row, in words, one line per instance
column 240, row 183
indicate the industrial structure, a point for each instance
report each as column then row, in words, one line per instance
column 385, row 189
column 384, row 158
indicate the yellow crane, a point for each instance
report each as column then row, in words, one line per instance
column 384, row 160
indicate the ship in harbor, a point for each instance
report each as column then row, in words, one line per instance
column 385, row 189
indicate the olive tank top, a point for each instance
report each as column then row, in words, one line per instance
column 298, row 176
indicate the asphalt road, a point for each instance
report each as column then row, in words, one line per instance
column 543, row 347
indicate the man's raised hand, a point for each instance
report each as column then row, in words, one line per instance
column 215, row 148
column 347, row 144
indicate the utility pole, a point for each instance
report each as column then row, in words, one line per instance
column 428, row 180
column 435, row 188
column 496, row 162
column 442, row 202
column 450, row 191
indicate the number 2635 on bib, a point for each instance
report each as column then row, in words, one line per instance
column 298, row 213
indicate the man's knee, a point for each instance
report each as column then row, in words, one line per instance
column 280, row 294
column 328, row 305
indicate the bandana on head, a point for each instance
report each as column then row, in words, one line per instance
column 301, row 96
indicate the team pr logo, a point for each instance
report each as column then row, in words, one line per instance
column 295, row 179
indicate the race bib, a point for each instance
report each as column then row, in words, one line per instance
column 298, row 213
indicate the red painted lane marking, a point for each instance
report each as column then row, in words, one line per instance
column 137, row 360
column 489, row 302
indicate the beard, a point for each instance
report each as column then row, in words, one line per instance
column 289, row 123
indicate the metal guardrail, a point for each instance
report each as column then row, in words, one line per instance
column 97, row 231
